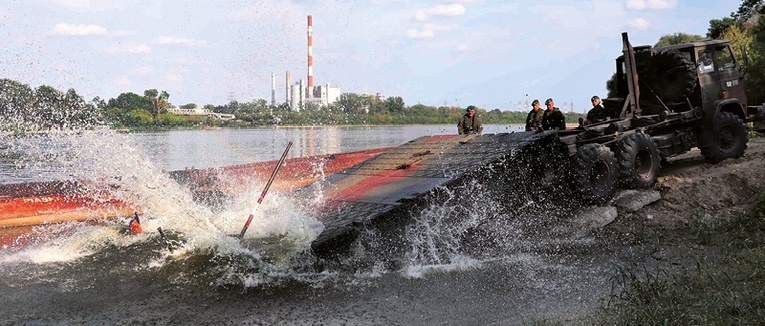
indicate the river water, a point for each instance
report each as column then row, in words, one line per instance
column 485, row 265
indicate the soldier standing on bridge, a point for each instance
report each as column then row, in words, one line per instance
column 469, row 124
column 534, row 119
column 553, row 119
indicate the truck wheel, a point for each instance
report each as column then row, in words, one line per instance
column 595, row 173
column 639, row 161
column 670, row 75
column 726, row 139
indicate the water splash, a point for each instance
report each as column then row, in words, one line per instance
column 106, row 157
column 437, row 238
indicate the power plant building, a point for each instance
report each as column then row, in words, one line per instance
column 323, row 95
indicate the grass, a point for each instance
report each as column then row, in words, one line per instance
column 726, row 289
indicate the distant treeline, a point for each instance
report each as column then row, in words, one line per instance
column 130, row 110
column 43, row 108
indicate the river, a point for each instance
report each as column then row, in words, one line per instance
column 509, row 270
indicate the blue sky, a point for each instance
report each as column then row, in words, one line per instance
column 486, row 53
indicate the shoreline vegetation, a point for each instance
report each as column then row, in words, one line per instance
column 46, row 108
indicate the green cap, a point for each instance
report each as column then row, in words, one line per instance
column 470, row 107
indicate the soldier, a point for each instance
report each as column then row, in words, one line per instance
column 469, row 124
column 597, row 113
column 534, row 119
column 553, row 119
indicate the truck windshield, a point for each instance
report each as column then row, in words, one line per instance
column 706, row 64
column 724, row 58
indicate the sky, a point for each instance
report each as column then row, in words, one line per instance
column 491, row 54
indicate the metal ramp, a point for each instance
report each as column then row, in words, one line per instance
column 398, row 177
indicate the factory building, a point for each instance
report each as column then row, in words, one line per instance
column 323, row 95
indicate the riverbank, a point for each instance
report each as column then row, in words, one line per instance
column 703, row 244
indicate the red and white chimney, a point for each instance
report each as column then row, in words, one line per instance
column 310, row 57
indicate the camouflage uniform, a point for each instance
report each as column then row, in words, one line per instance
column 597, row 114
column 553, row 120
column 468, row 125
column 534, row 120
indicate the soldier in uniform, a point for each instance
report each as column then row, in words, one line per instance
column 597, row 113
column 469, row 124
column 534, row 119
column 553, row 119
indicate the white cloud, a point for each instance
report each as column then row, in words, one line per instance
column 427, row 31
column 123, row 81
column 456, row 9
column 175, row 74
column 173, row 77
column 413, row 33
column 128, row 48
column 639, row 23
column 650, row 4
column 179, row 41
column 462, row 47
column 79, row 30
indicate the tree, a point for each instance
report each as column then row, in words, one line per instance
column 747, row 10
column 189, row 106
column 718, row 26
column 310, row 106
column 16, row 101
column 98, row 102
column 738, row 39
column 677, row 38
column 260, row 105
column 350, row 102
column 158, row 101
column 755, row 76
column 129, row 101
column 395, row 104
column 76, row 113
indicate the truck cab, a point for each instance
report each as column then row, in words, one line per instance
column 703, row 75
column 720, row 77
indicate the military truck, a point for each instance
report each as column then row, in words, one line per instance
column 669, row 100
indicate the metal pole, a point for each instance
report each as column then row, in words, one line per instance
column 265, row 190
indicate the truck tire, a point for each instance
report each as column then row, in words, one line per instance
column 639, row 161
column 726, row 139
column 670, row 75
column 595, row 173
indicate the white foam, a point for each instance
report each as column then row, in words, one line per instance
column 109, row 157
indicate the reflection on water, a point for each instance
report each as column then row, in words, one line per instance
column 175, row 150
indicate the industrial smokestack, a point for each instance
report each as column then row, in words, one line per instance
column 273, row 89
column 301, row 101
column 310, row 57
column 287, row 89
